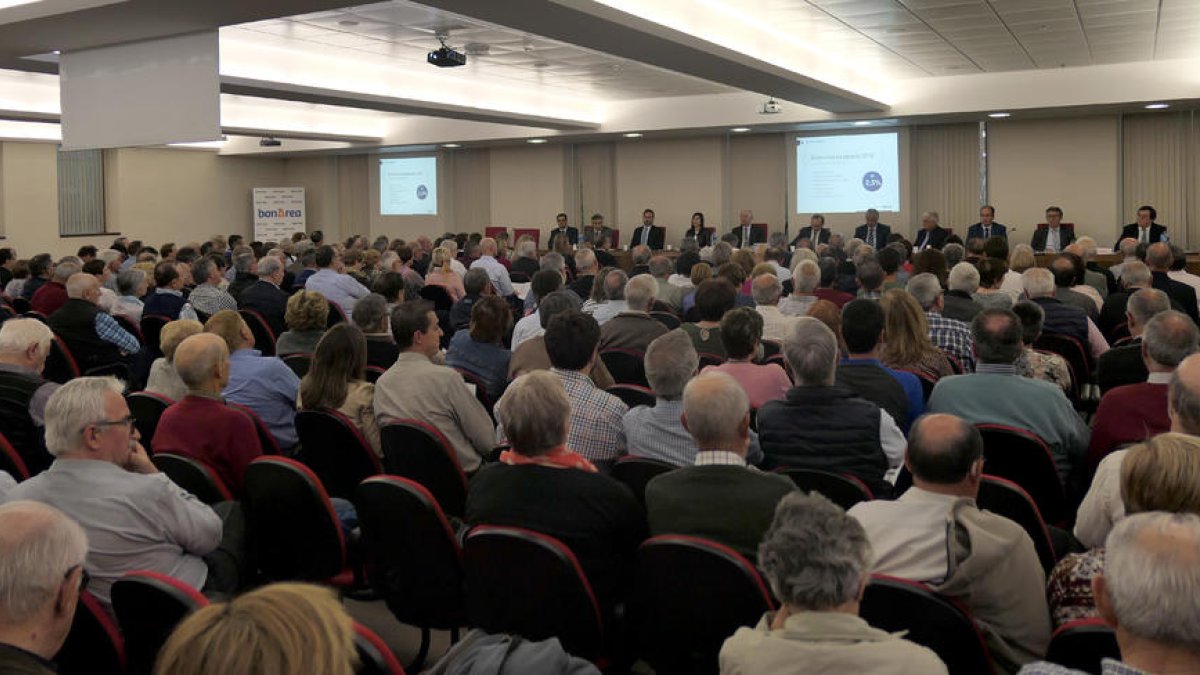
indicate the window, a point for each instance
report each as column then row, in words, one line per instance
column 80, row 192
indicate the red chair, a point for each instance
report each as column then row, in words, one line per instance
column 481, row 392
column 1025, row 459
column 632, row 394
column 418, row 451
column 1082, row 644
column 94, row 646
column 414, row 557
column 636, row 472
column 149, row 606
column 532, row 232
column 11, row 461
column 760, row 232
column 494, row 231
column 292, row 530
column 335, row 450
column 374, row 656
column 1006, row 498
column 152, row 325
column 266, row 439
column 668, row 319
column 194, row 476
column 841, row 489
column 439, row 296
column 264, row 337
column 711, row 360
column 528, row 583
column 615, row 242
column 679, row 621
column 131, row 326
column 627, row 366
column 147, row 407
column 298, row 362
column 374, row 372
column 932, row 620
column 927, row 382
column 61, row 366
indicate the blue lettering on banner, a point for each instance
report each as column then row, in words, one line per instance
column 872, row 181
column 280, row 213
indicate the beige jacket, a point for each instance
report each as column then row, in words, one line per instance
column 824, row 642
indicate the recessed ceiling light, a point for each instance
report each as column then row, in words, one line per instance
column 451, row 145
column 56, row 52
column 740, row 130
column 536, row 141
column 863, row 123
column 1157, row 106
column 999, row 115
column 632, row 134
column 5, row 4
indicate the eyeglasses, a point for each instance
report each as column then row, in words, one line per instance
column 128, row 420
column 84, row 577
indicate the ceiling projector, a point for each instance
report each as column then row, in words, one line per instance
column 771, row 107
column 270, row 143
column 446, row 57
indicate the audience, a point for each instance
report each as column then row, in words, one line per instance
column 39, row 274
column 817, row 561
column 1039, row 364
column 24, row 346
column 823, row 426
column 897, row 392
column 497, row 273
column 441, row 274
column 475, row 285
column 1160, row 259
column 951, row 336
column 371, row 317
column 93, row 337
column 1123, row 364
column 266, row 295
column 720, row 497
column 544, row 283
column 164, row 378
column 532, row 355
column 906, row 343
column 263, row 384
column 634, row 328
column 131, row 287
column 766, row 290
column 1061, row 318
column 336, row 381
column 1115, row 310
column 596, row 432
column 40, row 581
column 991, row 294
column 713, row 298
column 338, row 288
column 207, row 298
column 741, row 333
column 167, row 299
column 613, row 303
column 200, row 425
column 480, row 350
column 416, row 387
column 306, row 317
column 657, row 432
column 53, row 294
column 666, row 293
column 958, row 301
column 935, row 534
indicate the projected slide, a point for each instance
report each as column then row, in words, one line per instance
column 847, row 174
column 408, row 186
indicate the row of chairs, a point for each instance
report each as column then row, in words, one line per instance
column 628, row 366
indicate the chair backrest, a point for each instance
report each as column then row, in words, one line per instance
column 1004, row 497
column 633, row 394
column 927, row 382
column 627, row 366
column 147, row 407
column 264, row 337
column 528, row 583
column 194, row 476
column 1082, row 644
column 533, row 232
column 374, row 372
column 131, row 326
column 771, row 348
column 438, row 296
column 481, row 392
column 374, row 656
column 710, row 360
column 336, row 315
column 335, row 450
column 636, row 472
column 20, row 305
column 955, row 364
column 152, row 325
column 266, row 439
column 668, row 319
column 494, row 230
column 149, row 606
column 414, row 557
column 841, row 489
column 1068, row 347
column 34, row 314
column 761, row 231
column 94, row 645
column 680, row 620
column 615, row 242
column 932, row 620
column 1025, row 459
column 61, row 366
column 299, row 362
column 292, row 530
column 11, row 462
column 417, row 450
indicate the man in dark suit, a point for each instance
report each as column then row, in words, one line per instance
column 872, row 232
column 265, row 297
column 745, row 232
column 649, row 234
column 720, row 498
column 1055, row 236
column 931, row 235
column 1124, row 365
column 1145, row 230
column 1159, row 259
column 563, row 230
column 987, row 227
column 816, row 232
column 1134, row 277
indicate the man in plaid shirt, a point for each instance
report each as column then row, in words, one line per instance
column 595, row 430
column 949, row 335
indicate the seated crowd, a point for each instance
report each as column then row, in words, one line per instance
column 736, row 371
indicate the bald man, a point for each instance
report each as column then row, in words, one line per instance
column 202, row 426
column 496, row 271
column 94, row 337
column 1159, row 258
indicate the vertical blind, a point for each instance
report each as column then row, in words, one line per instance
column 1157, row 168
column 946, row 176
column 80, row 192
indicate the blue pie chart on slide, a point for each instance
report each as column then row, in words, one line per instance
column 422, row 192
column 872, row 181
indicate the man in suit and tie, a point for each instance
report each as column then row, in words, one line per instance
column 1145, row 230
column 815, row 233
column 648, row 234
column 598, row 234
column 563, row 230
column 745, row 233
column 987, row 227
column 1055, row 236
column 873, row 233
column 931, row 235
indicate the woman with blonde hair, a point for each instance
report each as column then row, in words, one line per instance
column 907, row 345
column 306, row 316
column 281, row 629
column 442, row 274
column 163, row 378
column 1022, row 258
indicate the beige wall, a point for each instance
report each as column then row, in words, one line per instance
column 527, row 186
column 675, row 178
column 1071, row 163
column 756, row 179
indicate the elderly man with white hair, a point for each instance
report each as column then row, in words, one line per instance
column 134, row 516
column 1061, row 318
column 40, row 583
column 949, row 335
column 497, row 273
column 94, row 337
column 660, row 269
column 931, row 234
column 634, row 328
column 818, row 561
column 24, row 346
column 1127, row 247
column 957, row 301
column 766, row 289
column 806, row 278
column 720, row 497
